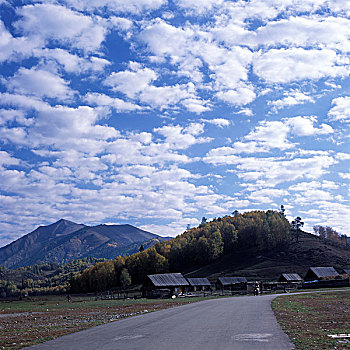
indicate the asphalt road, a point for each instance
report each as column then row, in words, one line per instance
column 238, row 323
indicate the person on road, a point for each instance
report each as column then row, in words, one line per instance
column 256, row 288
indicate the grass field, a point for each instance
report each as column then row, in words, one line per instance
column 310, row 319
column 25, row 323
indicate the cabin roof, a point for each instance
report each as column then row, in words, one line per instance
column 324, row 271
column 226, row 281
column 347, row 271
column 168, row 280
column 198, row 281
column 291, row 276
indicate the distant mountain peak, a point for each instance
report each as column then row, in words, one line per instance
column 65, row 240
column 64, row 221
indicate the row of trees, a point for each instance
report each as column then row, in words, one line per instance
column 196, row 247
column 327, row 233
column 46, row 278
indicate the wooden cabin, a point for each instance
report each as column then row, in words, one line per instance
column 346, row 271
column 231, row 283
column 199, row 284
column 319, row 273
column 165, row 285
column 289, row 277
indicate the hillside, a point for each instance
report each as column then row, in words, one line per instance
column 65, row 241
column 47, row 278
column 294, row 257
column 257, row 244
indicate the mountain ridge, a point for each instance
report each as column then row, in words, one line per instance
column 64, row 241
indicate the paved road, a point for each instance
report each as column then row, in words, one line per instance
column 239, row 323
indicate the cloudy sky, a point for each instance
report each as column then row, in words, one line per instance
column 159, row 112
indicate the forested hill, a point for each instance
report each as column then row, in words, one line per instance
column 256, row 230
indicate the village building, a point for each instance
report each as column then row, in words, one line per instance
column 231, row 283
column 346, row 271
column 319, row 273
column 199, row 284
column 165, row 285
column 289, row 277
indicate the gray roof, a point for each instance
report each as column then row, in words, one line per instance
column 168, row 280
column 198, row 281
column 291, row 277
column 324, row 271
column 347, row 271
column 226, row 281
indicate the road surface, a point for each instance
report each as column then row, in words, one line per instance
column 238, row 323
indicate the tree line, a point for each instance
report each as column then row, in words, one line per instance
column 328, row 233
column 40, row 279
column 196, row 247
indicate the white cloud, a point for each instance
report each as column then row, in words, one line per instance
column 26, row 102
column 294, row 64
column 8, row 116
column 62, row 25
column 249, row 147
column 7, row 159
column 15, row 135
column 304, row 126
column 340, row 110
column 131, row 82
column 271, row 135
column 240, row 96
column 128, row 6
column 220, row 122
column 291, row 99
column 340, row 6
column 329, row 185
column 105, row 100
column 198, row 7
column 229, row 67
column 73, row 63
column 140, row 153
column 196, row 105
column 342, row 156
column 190, row 48
column 270, row 171
column 166, row 96
column 331, row 32
column 60, row 126
column 136, row 84
column 266, row 195
column 246, row 111
column 16, row 48
column 166, row 40
column 123, row 24
column 39, row 82
column 182, row 138
column 312, row 195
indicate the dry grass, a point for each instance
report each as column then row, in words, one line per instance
column 25, row 323
column 309, row 319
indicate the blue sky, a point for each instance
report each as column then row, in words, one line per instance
column 156, row 112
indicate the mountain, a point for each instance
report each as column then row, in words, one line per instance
column 65, row 241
